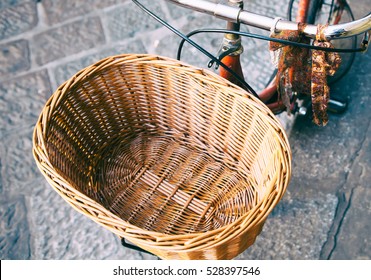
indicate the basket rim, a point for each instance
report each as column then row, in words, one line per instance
column 104, row 216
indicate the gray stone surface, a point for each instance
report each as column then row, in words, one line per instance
column 360, row 8
column 16, row 18
column 68, row 39
column 268, row 8
column 296, row 229
column 1, row 176
column 22, row 99
column 354, row 238
column 60, row 10
column 14, row 231
column 65, row 71
column 59, row 232
column 8, row 3
column 135, row 22
column 20, row 165
column 14, row 58
column 176, row 13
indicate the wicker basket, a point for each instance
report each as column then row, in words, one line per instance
column 175, row 159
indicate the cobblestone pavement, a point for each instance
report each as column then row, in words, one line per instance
column 326, row 211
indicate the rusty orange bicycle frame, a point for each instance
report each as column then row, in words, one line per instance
column 233, row 61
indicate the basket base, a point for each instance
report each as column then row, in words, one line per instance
column 163, row 184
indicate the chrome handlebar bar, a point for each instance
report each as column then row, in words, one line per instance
column 235, row 14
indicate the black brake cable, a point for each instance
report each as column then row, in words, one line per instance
column 265, row 38
column 198, row 47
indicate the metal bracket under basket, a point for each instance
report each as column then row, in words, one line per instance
column 134, row 247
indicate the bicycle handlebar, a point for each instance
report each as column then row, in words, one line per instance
column 238, row 15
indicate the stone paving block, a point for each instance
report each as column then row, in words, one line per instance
column 323, row 146
column 296, row 229
column 7, row 3
column 1, row 167
column 18, row 165
column 177, row 12
column 22, row 99
column 14, row 231
column 14, row 58
column 60, row 10
column 273, row 8
column 135, row 21
column 65, row 71
column 360, row 8
column 60, row 232
column 67, row 39
column 354, row 238
column 17, row 18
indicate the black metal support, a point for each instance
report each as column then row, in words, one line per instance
column 337, row 106
column 134, row 247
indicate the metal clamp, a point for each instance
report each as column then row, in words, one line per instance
column 366, row 41
column 228, row 47
column 274, row 24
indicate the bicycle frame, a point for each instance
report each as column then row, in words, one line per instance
column 232, row 49
column 303, row 11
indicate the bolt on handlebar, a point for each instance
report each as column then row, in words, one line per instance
column 239, row 15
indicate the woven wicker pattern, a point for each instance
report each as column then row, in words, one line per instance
column 173, row 158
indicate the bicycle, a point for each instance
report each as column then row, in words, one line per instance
column 228, row 57
column 310, row 12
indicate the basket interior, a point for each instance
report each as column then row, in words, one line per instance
column 163, row 148
column 163, row 184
